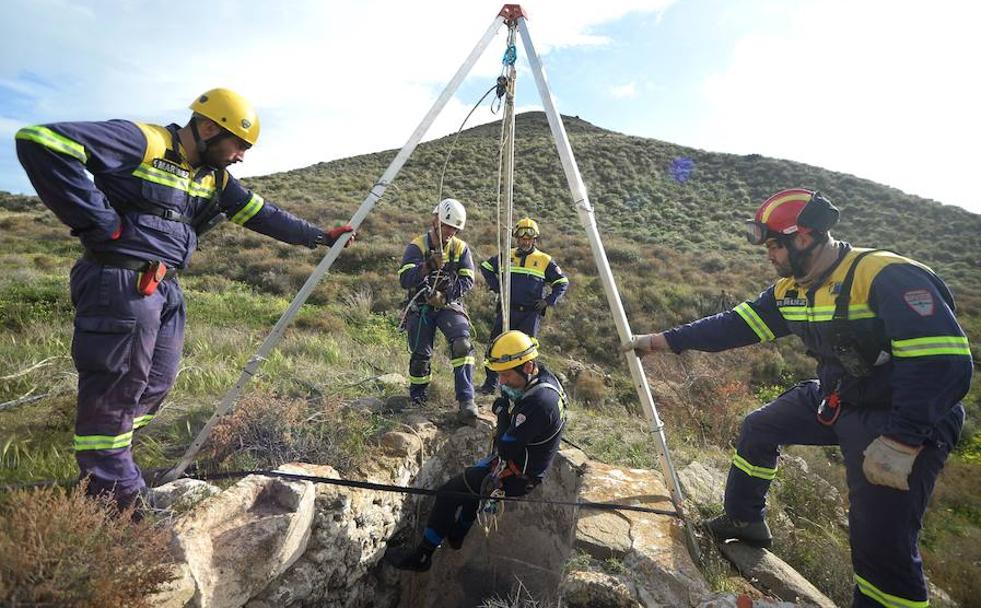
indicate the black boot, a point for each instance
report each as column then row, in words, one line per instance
column 487, row 388
column 417, row 560
column 755, row 533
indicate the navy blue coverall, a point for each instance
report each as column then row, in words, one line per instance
column 532, row 272
column 527, row 439
column 922, row 370
column 454, row 280
column 135, row 209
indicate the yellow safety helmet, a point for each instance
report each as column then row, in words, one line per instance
column 510, row 350
column 525, row 227
column 230, row 111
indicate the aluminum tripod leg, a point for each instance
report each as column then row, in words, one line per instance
column 228, row 400
column 586, row 216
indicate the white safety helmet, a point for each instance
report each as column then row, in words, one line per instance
column 451, row 212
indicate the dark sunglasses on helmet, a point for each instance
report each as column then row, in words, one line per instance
column 756, row 233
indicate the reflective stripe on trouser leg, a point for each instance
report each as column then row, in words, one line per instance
column 788, row 419
column 421, row 331
column 455, row 326
column 884, row 523
column 114, row 340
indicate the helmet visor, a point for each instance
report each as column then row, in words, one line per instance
column 756, row 233
column 524, row 231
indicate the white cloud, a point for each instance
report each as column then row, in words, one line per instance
column 329, row 79
column 884, row 90
column 624, row 91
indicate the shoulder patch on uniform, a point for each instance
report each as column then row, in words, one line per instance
column 520, row 418
column 921, row 301
column 558, row 269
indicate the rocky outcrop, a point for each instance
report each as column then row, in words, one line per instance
column 234, row 543
column 771, row 574
column 267, row 542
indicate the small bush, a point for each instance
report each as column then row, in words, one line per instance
column 267, row 431
column 60, row 548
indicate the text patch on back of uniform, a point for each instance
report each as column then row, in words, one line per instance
column 920, row 300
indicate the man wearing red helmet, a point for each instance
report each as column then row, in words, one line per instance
column 893, row 364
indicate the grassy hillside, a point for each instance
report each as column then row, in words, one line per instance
column 677, row 253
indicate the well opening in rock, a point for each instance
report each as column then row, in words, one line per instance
column 527, row 548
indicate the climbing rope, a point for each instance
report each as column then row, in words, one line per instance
column 505, row 177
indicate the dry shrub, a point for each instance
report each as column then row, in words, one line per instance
column 702, row 393
column 267, row 431
column 589, row 388
column 260, row 426
column 60, row 548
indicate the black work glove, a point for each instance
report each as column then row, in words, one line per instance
column 541, row 305
column 330, row 237
column 501, row 404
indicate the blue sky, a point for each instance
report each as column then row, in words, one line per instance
column 887, row 91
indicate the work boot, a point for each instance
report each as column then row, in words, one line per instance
column 418, row 559
column 487, row 389
column 755, row 533
column 420, row 400
column 468, row 409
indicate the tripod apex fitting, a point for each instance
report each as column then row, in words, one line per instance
column 511, row 13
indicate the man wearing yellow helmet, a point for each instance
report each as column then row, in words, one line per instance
column 530, row 421
column 155, row 191
column 532, row 273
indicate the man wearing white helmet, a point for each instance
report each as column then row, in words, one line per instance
column 437, row 270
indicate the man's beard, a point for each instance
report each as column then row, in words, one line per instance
column 212, row 160
column 784, row 270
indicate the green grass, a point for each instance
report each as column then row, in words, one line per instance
column 676, row 253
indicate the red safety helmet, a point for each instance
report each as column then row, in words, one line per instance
column 784, row 214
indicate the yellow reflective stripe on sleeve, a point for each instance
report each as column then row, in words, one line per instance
column 420, row 379
column 247, row 212
column 523, row 270
column 559, row 281
column 406, row 267
column 487, row 265
column 51, row 140
column 463, row 361
column 465, row 272
column 930, row 346
column 752, row 470
column 142, row 421
column 84, row 443
column 892, row 601
column 754, row 321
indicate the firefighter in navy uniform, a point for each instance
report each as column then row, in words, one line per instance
column 532, row 273
column 530, row 421
column 437, row 271
column 154, row 191
column 893, row 364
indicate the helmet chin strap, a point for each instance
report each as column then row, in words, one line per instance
column 201, row 144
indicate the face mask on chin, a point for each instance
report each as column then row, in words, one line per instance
column 513, row 393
